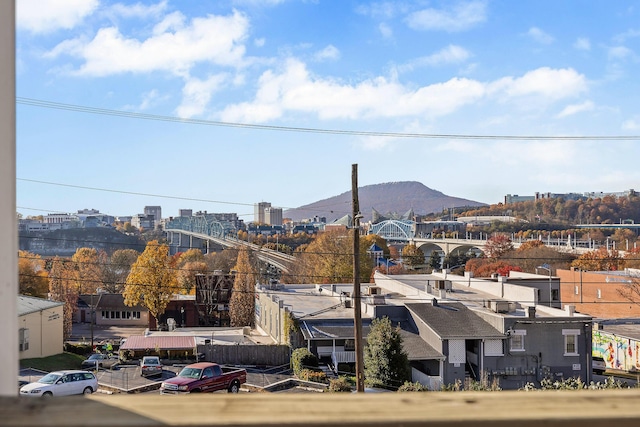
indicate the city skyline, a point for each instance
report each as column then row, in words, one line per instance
column 219, row 105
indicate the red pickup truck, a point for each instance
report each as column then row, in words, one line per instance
column 204, row 377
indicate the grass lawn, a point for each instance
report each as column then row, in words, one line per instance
column 53, row 363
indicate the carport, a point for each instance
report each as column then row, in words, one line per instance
column 169, row 347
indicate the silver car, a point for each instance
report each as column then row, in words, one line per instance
column 62, row 383
column 150, row 366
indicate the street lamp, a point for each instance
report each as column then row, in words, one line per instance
column 548, row 268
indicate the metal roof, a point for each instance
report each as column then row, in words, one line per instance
column 164, row 342
column 27, row 305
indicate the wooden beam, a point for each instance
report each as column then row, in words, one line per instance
column 502, row 408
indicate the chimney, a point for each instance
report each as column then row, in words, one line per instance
column 434, row 302
column 570, row 309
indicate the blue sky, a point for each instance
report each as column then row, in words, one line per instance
column 531, row 68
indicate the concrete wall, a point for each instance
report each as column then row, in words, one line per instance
column 45, row 333
column 270, row 312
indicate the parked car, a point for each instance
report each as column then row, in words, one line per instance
column 598, row 365
column 204, row 377
column 99, row 360
column 62, row 383
column 150, row 366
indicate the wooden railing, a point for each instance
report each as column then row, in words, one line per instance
column 618, row 408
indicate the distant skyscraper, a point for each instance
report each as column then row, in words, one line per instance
column 273, row 216
column 156, row 211
column 185, row 212
column 259, row 212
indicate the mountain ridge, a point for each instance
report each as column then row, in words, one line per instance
column 391, row 197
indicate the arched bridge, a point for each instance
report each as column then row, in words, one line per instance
column 426, row 237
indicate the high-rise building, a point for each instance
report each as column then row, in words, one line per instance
column 156, row 211
column 273, row 216
column 259, row 212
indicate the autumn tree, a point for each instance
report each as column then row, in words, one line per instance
column 152, row 280
column 600, row 259
column 528, row 257
column 63, row 288
column 412, row 256
column 115, row 272
column 88, row 270
column 33, row 279
column 242, row 303
column 497, row 245
column 187, row 275
column 329, row 259
column 385, row 362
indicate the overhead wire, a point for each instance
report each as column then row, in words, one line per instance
column 155, row 117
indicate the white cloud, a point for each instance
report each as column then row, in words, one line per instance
column 175, row 46
column 259, row 42
column 621, row 38
column 197, row 93
column 551, row 84
column 138, row 10
column 539, row 36
column 631, row 124
column 620, row 53
column 294, row 89
column 570, row 110
column 451, row 54
column 329, row 53
column 461, row 17
column 385, row 30
column 148, row 99
column 582, row 43
column 42, row 16
column 383, row 9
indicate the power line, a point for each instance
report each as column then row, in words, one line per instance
column 142, row 116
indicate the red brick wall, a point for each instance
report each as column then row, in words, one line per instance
column 611, row 304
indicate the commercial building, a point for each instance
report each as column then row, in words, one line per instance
column 40, row 324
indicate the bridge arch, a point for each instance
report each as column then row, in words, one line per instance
column 394, row 230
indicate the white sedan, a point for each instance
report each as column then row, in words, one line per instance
column 62, row 383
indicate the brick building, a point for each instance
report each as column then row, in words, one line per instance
column 600, row 294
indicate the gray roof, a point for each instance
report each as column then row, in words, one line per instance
column 415, row 347
column 454, row 320
column 27, row 305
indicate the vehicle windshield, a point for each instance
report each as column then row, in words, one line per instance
column 151, row 361
column 190, row 373
column 50, row 378
column 95, row 356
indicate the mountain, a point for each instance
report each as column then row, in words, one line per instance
column 391, row 197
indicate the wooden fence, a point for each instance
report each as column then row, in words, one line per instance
column 258, row 355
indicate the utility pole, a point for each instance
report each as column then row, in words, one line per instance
column 357, row 308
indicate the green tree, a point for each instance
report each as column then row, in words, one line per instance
column 385, row 362
column 152, row 280
column 434, row 260
column 242, row 303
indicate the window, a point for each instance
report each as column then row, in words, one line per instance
column 599, row 293
column 571, row 341
column 554, row 295
column 576, row 290
column 517, row 340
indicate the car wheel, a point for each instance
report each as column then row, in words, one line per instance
column 47, row 394
column 87, row 390
column 234, row 387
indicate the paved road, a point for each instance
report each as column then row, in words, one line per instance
column 82, row 332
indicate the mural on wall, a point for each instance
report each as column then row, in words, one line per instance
column 618, row 352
